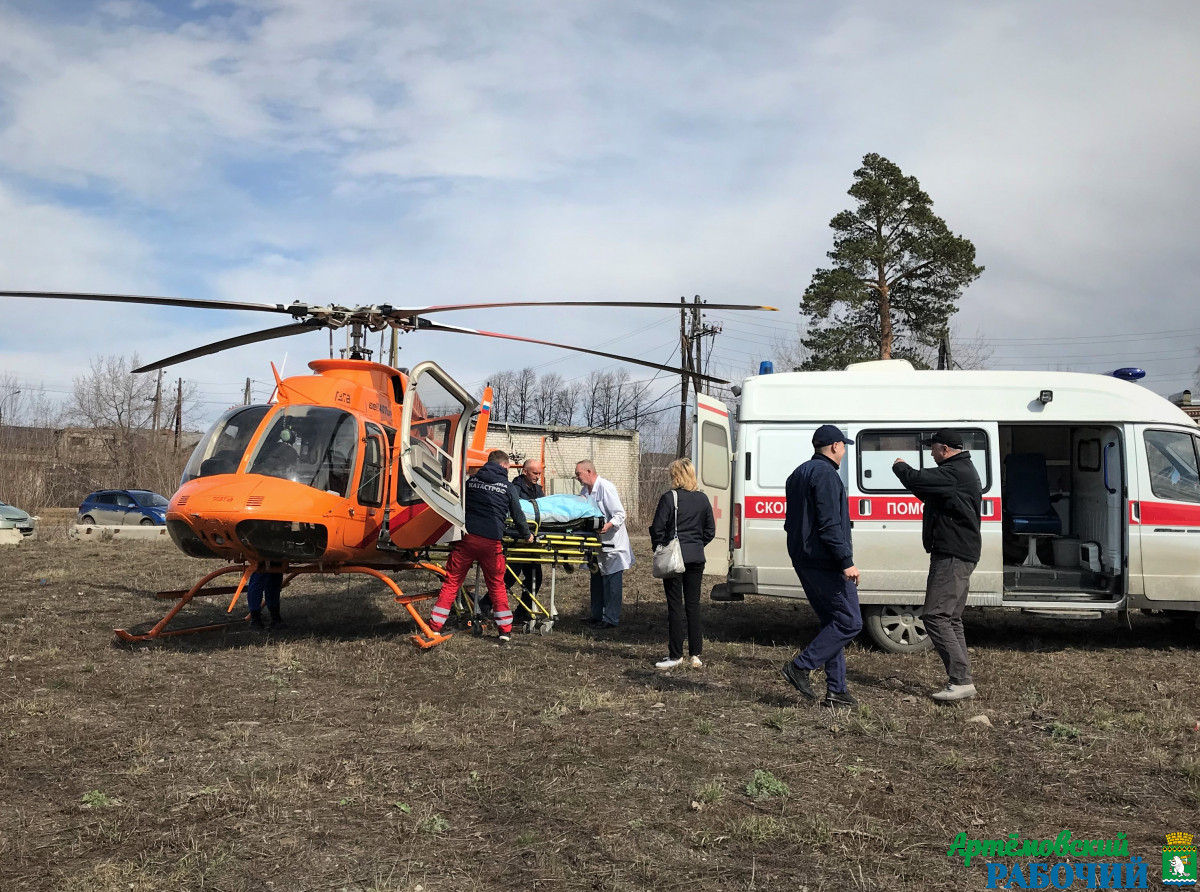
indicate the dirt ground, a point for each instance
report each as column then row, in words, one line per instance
column 338, row 756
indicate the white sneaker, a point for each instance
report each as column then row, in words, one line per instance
column 955, row 692
column 668, row 663
column 696, row 664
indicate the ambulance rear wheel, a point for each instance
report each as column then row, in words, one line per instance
column 897, row 630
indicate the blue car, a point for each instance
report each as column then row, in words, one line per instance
column 113, row 507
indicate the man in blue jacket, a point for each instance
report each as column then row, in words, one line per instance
column 489, row 503
column 818, row 540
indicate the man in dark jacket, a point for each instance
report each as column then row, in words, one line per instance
column 489, row 502
column 950, row 533
column 818, row 538
column 529, row 487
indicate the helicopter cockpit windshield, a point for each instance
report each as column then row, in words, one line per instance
column 221, row 450
column 313, row 445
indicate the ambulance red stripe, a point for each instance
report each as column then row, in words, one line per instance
column 880, row 508
column 1165, row 514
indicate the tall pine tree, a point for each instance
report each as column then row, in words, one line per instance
column 898, row 272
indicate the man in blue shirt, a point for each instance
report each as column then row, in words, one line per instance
column 818, row 540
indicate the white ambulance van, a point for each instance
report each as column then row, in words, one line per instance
column 1091, row 489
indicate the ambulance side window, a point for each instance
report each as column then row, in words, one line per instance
column 714, row 456
column 877, row 450
column 1171, row 457
column 777, row 454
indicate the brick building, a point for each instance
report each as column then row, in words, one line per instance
column 616, row 454
column 1184, row 401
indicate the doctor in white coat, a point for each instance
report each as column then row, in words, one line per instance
column 617, row 556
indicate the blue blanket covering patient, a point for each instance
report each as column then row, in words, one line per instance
column 560, row 509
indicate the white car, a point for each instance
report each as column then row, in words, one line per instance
column 13, row 518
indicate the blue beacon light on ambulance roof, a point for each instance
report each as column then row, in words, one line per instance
column 1129, row 374
column 766, row 367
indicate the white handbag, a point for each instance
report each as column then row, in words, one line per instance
column 668, row 559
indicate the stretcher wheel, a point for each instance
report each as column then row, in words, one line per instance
column 530, row 626
column 547, row 626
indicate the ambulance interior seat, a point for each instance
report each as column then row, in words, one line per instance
column 1028, row 510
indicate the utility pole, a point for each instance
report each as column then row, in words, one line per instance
column 158, row 399
column 700, row 331
column 394, row 351
column 246, row 395
column 685, row 355
column 178, row 410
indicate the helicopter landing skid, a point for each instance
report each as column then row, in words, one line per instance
column 133, row 638
column 159, row 630
column 425, row 637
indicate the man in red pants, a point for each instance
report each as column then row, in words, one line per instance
column 490, row 500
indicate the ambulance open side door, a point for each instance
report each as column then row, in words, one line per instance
column 712, row 454
column 1164, row 513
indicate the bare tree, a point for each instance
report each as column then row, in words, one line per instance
column 117, row 406
column 546, row 398
column 26, row 404
column 788, row 353
column 502, row 388
column 971, row 352
column 566, row 402
column 523, row 396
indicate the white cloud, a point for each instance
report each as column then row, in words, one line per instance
column 364, row 152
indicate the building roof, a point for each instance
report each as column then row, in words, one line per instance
column 513, row 426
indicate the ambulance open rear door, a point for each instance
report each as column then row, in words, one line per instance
column 712, row 454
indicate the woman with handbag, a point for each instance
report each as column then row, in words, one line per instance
column 683, row 525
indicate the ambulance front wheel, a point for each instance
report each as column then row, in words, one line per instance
column 897, row 630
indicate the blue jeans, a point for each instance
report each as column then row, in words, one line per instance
column 606, row 597
column 834, row 599
column 260, row 584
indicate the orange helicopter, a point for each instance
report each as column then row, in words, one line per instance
column 357, row 468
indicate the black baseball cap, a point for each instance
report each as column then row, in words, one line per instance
column 828, row 434
column 947, row 437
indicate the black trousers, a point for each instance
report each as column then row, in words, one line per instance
column 531, row 581
column 683, row 599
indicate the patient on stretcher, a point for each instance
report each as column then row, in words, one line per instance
column 562, row 512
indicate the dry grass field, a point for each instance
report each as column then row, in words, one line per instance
column 337, row 756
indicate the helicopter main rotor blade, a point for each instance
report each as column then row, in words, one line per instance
column 656, row 304
column 197, row 303
column 426, row 325
column 254, row 337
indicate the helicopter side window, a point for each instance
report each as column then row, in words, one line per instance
column 430, row 440
column 313, row 445
column 370, row 486
column 222, row 448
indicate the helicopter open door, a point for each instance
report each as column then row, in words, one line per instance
column 433, row 439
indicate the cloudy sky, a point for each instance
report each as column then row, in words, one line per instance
column 364, row 152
